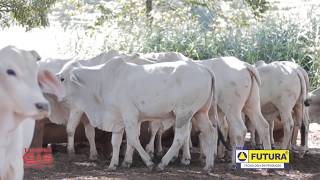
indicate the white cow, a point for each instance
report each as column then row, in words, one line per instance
column 61, row 111
column 283, row 92
column 313, row 111
column 313, row 102
column 22, row 102
column 127, row 93
column 237, row 86
column 67, row 114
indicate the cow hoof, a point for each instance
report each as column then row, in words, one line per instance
column 160, row 168
column 93, row 157
column 151, row 167
column 112, row 168
column 126, row 164
column 207, row 169
column 294, row 148
column 185, row 162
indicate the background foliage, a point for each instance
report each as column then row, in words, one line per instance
column 205, row 29
column 27, row 13
column 251, row 30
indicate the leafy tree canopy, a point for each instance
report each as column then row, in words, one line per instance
column 33, row 13
column 27, row 13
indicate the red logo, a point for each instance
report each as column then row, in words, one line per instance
column 38, row 158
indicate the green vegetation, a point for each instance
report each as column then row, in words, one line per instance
column 248, row 31
column 251, row 30
column 27, row 13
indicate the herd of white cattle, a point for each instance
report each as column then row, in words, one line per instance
column 118, row 92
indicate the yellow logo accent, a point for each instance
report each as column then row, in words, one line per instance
column 269, row 156
column 242, row 156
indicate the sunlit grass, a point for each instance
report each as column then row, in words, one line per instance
column 289, row 31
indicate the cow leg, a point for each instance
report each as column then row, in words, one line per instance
column 237, row 132
column 129, row 153
column 262, row 127
column 304, row 139
column 252, row 131
column 186, row 156
column 154, row 126
column 74, row 120
column 116, row 143
column 166, row 124
column 223, row 125
column 254, row 136
column 179, row 137
column 208, row 138
column 306, row 120
column 128, row 156
column 297, row 110
column 253, row 110
column 190, row 143
column 132, row 127
column 90, row 134
column 288, row 123
column 304, row 133
column 271, row 127
column 159, row 143
column 182, row 127
column 270, row 118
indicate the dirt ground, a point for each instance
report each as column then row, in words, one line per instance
column 80, row 167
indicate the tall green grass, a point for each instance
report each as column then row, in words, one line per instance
column 280, row 35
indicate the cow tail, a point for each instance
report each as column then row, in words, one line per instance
column 214, row 109
column 304, row 82
column 254, row 72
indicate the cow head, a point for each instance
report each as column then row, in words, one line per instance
column 68, row 79
column 22, row 84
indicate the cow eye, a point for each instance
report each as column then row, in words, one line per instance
column 11, row 72
column 62, row 79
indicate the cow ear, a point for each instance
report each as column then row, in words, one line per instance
column 50, row 85
column 74, row 77
column 35, row 54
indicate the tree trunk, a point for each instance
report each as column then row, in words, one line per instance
column 148, row 11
